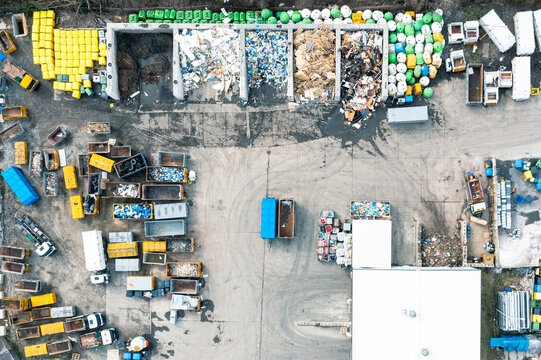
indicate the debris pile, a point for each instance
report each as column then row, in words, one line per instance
column 36, row 163
column 180, row 245
column 210, row 56
column 183, row 270
column 314, row 64
column 368, row 210
column 126, row 190
column 132, row 211
column 89, row 204
column 361, row 74
column 166, row 174
column 50, row 184
column 266, row 58
column 98, row 127
column 334, row 239
column 159, row 67
column 441, row 250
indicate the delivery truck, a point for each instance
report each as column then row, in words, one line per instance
column 286, row 218
column 84, row 322
column 32, row 332
column 20, row 318
column 122, row 190
column 161, row 228
column 183, row 269
column 162, row 192
column 32, row 286
column 14, row 304
column 13, row 252
column 43, row 243
column 474, row 84
column 20, row 76
column 96, row 338
column 130, row 166
column 94, row 251
column 59, row 347
column 185, row 286
column 14, row 267
column 54, row 312
column 13, row 113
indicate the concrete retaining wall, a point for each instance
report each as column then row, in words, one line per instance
column 175, row 29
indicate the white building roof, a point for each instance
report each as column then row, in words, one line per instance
column 372, row 243
column 446, row 322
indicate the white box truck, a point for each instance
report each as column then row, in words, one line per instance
column 95, row 256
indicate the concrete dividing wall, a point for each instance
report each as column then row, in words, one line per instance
column 175, row 29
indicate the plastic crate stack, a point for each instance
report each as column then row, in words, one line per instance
column 43, row 42
column 503, row 204
column 535, row 304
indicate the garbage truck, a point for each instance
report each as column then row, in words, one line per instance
column 95, row 256
column 43, row 243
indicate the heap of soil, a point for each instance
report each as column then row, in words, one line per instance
column 128, row 79
column 151, row 73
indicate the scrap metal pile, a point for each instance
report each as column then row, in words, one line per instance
column 314, row 64
column 334, row 239
column 266, row 58
column 441, row 250
column 210, row 56
column 361, row 61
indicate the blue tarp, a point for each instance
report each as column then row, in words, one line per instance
column 510, row 342
column 14, row 177
column 268, row 218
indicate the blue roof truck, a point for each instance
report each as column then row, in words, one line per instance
column 268, row 218
column 21, row 187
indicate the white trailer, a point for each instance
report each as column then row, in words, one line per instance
column 94, row 250
column 497, row 31
column 537, row 25
column 524, row 33
column 522, row 84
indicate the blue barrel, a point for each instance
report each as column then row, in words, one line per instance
column 518, row 164
column 399, row 47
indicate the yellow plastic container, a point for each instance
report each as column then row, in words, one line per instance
column 101, row 162
column 120, row 250
column 527, row 175
column 21, row 153
column 42, row 300
column 87, row 83
column 77, row 207
column 417, row 89
column 70, row 177
column 102, row 60
column 154, row 246
column 52, row 328
column 76, row 94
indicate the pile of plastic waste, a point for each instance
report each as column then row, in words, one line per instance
column 132, row 211
column 266, row 58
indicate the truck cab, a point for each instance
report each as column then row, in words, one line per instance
column 95, row 320
column 98, row 279
column 45, row 249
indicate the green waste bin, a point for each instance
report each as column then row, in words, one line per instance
column 158, row 14
column 188, row 14
column 207, row 14
column 150, row 14
column 166, row 14
column 142, row 15
column 197, row 14
column 132, row 18
column 180, row 15
column 172, row 14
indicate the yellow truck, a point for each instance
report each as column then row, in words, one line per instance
column 21, row 153
column 121, row 250
column 52, row 328
column 70, row 177
column 77, row 211
column 42, row 300
column 35, row 350
column 101, row 162
column 20, row 76
column 154, row 246
column 13, row 113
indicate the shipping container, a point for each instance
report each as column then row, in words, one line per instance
column 77, row 207
column 42, row 300
column 52, row 328
column 140, row 283
column 121, row 250
column 101, row 162
column 70, row 177
column 163, row 228
column 170, row 211
column 128, row 264
column 175, row 159
column 20, row 186
column 21, row 152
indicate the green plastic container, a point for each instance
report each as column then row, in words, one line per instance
column 188, row 15
column 272, row 20
column 370, row 21
column 284, row 17
column 388, row 16
column 89, row 91
column 419, row 58
column 296, row 17
column 207, row 14
column 307, row 21
column 222, row 16
column 410, row 49
column 392, row 58
column 408, row 30
column 429, row 39
column 142, row 15
column 158, row 14
column 236, row 16
column 266, row 14
column 167, row 21
column 428, row 92
column 242, row 17
column 417, row 25
column 132, row 18
column 149, row 21
column 215, row 17
column 393, row 38
column 437, row 17
column 172, row 14
column 400, row 27
column 203, row 21
column 197, row 14
column 186, row 21
column 258, row 15
column 250, row 15
column 411, row 81
column 427, row 18
column 150, row 14
column 177, row 21
column 180, row 15
column 335, row 13
column 409, row 74
column 417, row 71
column 166, row 14
column 438, row 47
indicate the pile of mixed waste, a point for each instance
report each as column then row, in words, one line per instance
column 441, row 250
column 266, row 58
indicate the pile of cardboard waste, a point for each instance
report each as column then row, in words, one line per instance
column 314, row 64
column 361, row 62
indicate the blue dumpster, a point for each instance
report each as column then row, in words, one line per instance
column 15, row 179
